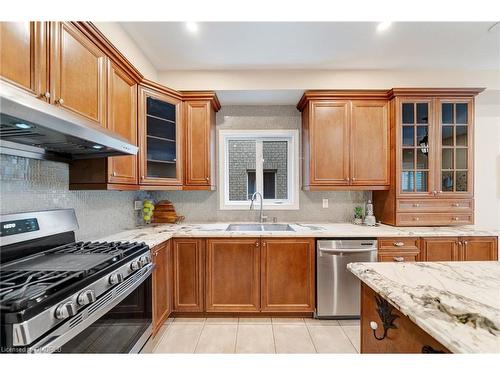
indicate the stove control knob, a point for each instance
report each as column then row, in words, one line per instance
column 65, row 310
column 135, row 265
column 145, row 260
column 115, row 278
column 86, row 297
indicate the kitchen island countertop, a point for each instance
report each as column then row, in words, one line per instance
column 457, row 303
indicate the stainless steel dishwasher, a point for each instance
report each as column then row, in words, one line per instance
column 338, row 290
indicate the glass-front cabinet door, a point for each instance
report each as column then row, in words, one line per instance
column 159, row 127
column 454, row 159
column 416, row 148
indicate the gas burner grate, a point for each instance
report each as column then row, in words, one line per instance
column 21, row 289
column 27, row 281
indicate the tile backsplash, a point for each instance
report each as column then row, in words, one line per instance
column 34, row 185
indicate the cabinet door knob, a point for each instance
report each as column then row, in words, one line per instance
column 455, row 218
column 398, row 259
column 434, row 192
column 465, row 243
column 416, row 205
column 399, row 244
column 45, row 95
column 440, row 192
column 455, row 204
column 257, row 244
column 354, row 178
column 264, row 244
column 207, row 178
column 60, row 101
column 114, row 174
column 416, row 218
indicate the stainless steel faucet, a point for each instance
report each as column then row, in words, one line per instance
column 262, row 218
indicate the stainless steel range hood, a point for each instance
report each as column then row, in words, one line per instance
column 30, row 127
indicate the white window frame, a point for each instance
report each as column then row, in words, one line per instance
column 290, row 135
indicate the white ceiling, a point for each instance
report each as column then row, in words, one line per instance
column 306, row 45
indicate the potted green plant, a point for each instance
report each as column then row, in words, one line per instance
column 358, row 215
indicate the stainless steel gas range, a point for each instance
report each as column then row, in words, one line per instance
column 58, row 295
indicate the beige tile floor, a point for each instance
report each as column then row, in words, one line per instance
column 255, row 335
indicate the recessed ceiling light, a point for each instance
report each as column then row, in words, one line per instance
column 97, row 147
column 192, row 27
column 22, row 125
column 383, row 26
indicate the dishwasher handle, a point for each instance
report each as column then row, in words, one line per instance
column 332, row 252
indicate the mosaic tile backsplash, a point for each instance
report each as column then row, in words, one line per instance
column 33, row 185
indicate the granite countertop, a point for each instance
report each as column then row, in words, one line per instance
column 457, row 303
column 154, row 235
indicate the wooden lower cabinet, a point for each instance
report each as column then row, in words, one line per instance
column 162, row 284
column 398, row 249
column 439, row 249
column 287, row 275
column 478, row 248
column 397, row 256
column 407, row 337
column 232, row 275
column 189, row 266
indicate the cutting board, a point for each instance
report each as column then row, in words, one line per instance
column 164, row 212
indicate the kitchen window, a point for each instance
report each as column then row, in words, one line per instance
column 265, row 161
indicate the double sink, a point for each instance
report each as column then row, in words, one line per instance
column 259, row 228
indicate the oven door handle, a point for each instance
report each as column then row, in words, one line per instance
column 72, row 327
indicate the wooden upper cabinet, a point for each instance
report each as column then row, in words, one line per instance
column 370, row 138
column 478, row 248
column 160, row 137
column 432, row 151
column 345, row 140
column 162, row 284
column 77, row 73
column 455, row 146
column 329, row 143
column 442, row 249
column 415, row 147
column 122, row 119
column 287, row 274
column 233, row 272
column 199, row 116
column 23, row 56
column 189, row 271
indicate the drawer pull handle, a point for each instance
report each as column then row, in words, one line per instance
column 399, row 244
column 456, row 205
column 416, row 218
column 416, row 205
column 399, row 259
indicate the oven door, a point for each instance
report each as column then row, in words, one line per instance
column 121, row 324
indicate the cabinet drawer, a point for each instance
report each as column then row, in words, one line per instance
column 435, row 205
column 428, row 219
column 397, row 244
column 397, row 256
